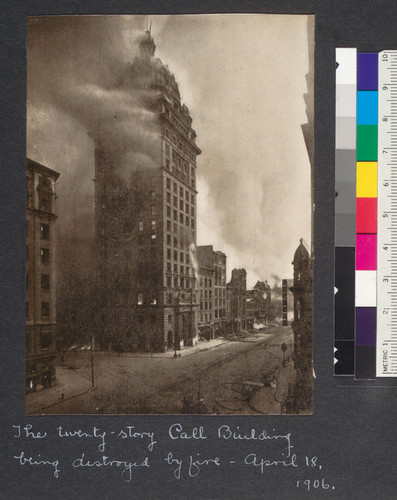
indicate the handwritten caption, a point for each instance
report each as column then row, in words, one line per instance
column 253, row 448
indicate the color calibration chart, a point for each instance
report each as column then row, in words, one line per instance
column 366, row 214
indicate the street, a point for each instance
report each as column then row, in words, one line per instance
column 235, row 377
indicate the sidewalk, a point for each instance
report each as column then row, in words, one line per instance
column 184, row 351
column 69, row 384
column 270, row 400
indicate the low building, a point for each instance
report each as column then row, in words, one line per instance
column 258, row 304
column 40, row 276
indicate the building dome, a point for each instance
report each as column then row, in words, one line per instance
column 301, row 253
column 147, row 45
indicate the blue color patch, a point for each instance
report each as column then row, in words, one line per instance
column 367, row 107
column 367, row 71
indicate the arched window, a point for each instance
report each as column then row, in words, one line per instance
column 140, row 299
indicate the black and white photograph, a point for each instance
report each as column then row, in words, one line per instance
column 169, row 214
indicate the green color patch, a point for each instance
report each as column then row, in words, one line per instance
column 367, row 142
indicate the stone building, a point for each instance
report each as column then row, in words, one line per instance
column 302, row 326
column 237, row 317
column 212, row 292
column 220, row 319
column 206, row 291
column 146, row 217
column 40, row 276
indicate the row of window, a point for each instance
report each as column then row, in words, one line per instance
column 183, row 193
column 184, row 220
column 183, row 257
column 178, row 282
column 205, row 317
column 184, row 271
column 207, row 282
column 152, row 225
column 45, row 310
column 44, row 231
column 45, row 281
column 177, row 143
column 204, row 294
column 46, row 342
column 220, row 302
column 183, row 206
column 44, row 253
column 178, row 166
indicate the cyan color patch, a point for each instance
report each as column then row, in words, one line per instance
column 367, row 107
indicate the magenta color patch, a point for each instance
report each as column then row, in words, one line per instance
column 366, row 252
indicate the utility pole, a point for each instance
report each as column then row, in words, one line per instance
column 92, row 364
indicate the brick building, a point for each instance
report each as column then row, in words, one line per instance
column 40, row 276
column 146, row 224
column 212, row 292
column 237, row 287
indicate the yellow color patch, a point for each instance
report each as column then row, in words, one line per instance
column 367, row 179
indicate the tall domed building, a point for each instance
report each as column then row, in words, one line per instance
column 302, row 326
column 145, row 199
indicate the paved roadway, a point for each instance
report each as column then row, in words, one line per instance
column 222, row 379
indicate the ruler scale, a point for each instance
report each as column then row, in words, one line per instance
column 365, row 346
column 386, row 344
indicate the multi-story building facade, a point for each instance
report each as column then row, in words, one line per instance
column 302, row 327
column 146, row 225
column 205, row 258
column 237, row 316
column 40, row 276
column 212, row 291
column 220, row 307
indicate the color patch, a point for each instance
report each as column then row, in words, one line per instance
column 345, row 133
column 367, row 108
column 367, row 71
column 344, row 322
column 347, row 66
column 344, row 297
column 365, row 362
column 365, row 288
column 365, row 325
column 345, row 357
column 345, row 165
column 345, row 230
column 345, row 201
column 367, row 142
column 366, row 253
column 367, row 179
column 346, row 100
column 366, row 215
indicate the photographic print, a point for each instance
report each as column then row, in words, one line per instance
column 169, row 249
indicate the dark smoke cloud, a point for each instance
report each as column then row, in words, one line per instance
column 243, row 79
column 76, row 66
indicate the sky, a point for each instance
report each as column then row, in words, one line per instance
column 243, row 80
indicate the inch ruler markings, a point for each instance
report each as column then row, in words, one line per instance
column 386, row 342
